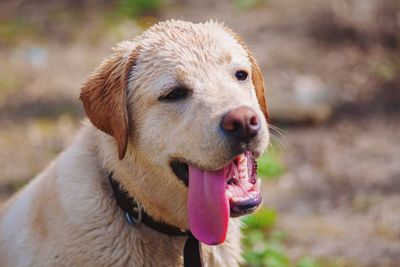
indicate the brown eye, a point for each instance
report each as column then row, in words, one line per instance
column 177, row 93
column 241, row 75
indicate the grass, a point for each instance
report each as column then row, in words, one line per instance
column 270, row 165
column 247, row 4
column 13, row 31
column 16, row 185
column 134, row 8
column 263, row 242
column 264, row 245
column 8, row 84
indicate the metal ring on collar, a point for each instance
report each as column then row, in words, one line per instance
column 132, row 219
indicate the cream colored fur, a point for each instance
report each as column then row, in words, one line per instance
column 67, row 216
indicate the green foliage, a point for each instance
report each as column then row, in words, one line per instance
column 13, row 31
column 307, row 262
column 247, row 4
column 270, row 165
column 386, row 70
column 8, row 83
column 134, row 8
column 264, row 245
column 15, row 185
column 335, row 263
column 263, row 219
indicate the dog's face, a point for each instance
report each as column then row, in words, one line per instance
column 185, row 81
column 187, row 101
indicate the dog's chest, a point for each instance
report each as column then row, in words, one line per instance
column 137, row 246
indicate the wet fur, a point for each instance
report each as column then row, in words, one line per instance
column 67, row 216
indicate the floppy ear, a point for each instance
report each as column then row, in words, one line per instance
column 104, row 95
column 256, row 75
column 259, row 86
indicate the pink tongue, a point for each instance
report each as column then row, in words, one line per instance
column 208, row 205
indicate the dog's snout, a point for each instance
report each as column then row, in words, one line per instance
column 241, row 123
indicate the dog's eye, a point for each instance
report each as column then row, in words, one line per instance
column 241, row 75
column 177, row 93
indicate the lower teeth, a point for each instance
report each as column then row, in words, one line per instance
column 241, row 199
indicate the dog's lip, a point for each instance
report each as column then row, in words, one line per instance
column 181, row 170
column 247, row 206
column 180, row 160
column 191, row 163
column 180, row 167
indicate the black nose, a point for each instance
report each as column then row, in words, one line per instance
column 242, row 124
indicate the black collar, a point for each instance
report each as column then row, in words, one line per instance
column 134, row 214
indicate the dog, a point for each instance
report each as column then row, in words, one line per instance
column 177, row 117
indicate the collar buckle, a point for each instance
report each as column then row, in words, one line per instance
column 131, row 218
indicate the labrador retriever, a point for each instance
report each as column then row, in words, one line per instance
column 177, row 117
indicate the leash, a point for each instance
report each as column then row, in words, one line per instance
column 134, row 215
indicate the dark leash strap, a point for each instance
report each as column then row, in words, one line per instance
column 192, row 252
column 134, row 214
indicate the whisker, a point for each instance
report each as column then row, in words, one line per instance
column 278, row 141
column 278, row 130
column 278, row 136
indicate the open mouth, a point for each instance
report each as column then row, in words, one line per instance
column 214, row 196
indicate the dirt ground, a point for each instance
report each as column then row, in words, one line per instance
column 332, row 72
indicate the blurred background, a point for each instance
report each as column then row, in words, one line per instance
column 332, row 173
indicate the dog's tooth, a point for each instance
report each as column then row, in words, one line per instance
column 249, row 186
column 258, row 184
column 244, row 174
column 228, row 194
column 242, row 166
column 238, row 199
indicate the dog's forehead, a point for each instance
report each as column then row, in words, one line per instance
column 187, row 44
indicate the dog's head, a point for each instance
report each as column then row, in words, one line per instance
column 187, row 101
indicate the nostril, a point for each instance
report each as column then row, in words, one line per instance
column 254, row 121
column 229, row 124
column 253, row 126
column 236, row 126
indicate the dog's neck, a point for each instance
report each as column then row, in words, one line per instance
column 135, row 215
column 163, row 199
